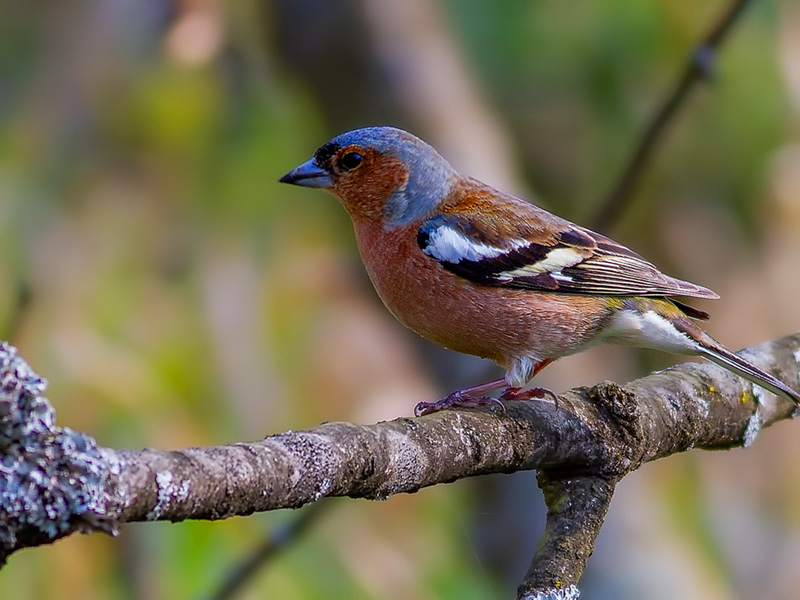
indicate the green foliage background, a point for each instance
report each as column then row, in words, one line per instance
column 174, row 294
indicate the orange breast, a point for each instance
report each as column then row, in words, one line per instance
column 487, row 321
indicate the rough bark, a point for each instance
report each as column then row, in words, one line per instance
column 55, row 481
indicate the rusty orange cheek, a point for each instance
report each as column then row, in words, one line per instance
column 364, row 191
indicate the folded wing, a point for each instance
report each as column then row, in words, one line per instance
column 559, row 257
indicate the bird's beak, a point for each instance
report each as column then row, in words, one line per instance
column 308, row 175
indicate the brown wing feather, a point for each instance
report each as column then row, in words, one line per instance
column 496, row 239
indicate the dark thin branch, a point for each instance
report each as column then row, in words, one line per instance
column 277, row 541
column 698, row 68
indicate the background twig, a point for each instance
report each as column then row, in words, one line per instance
column 698, row 68
column 276, row 542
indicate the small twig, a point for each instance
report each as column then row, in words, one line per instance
column 277, row 541
column 698, row 68
column 21, row 304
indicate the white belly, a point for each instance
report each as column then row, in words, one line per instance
column 647, row 330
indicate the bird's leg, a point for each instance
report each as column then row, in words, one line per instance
column 517, row 393
column 467, row 398
column 475, row 396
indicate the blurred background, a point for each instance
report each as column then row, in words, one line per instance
column 174, row 294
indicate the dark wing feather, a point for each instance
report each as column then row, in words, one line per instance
column 543, row 252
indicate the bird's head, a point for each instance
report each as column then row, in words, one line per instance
column 379, row 173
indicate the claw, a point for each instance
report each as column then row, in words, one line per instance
column 456, row 400
column 474, row 396
column 515, row 393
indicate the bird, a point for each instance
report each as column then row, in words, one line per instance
column 486, row 273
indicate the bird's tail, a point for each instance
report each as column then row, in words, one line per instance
column 717, row 353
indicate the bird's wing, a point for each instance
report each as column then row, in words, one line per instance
column 512, row 243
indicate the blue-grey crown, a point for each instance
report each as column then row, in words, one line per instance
column 429, row 175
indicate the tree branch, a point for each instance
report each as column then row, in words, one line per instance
column 56, row 481
column 577, row 507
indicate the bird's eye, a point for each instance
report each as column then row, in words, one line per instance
column 350, row 161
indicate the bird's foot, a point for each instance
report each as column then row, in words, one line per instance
column 459, row 399
column 472, row 398
column 517, row 393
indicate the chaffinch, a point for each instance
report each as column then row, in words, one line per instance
column 486, row 273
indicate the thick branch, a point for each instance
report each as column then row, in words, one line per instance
column 55, row 481
column 603, row 429
column 577, row 507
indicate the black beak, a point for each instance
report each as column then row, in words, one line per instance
column 308, row 175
